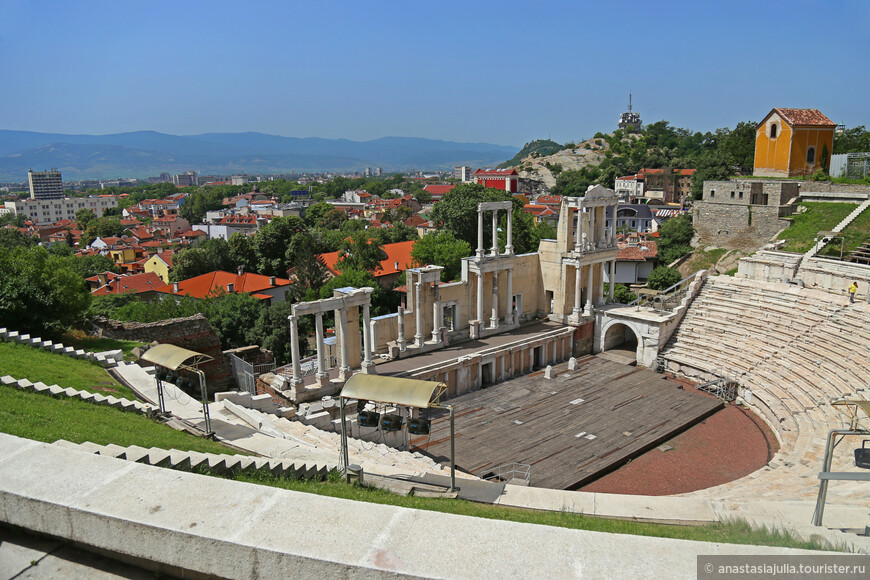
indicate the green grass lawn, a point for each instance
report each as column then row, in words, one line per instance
column 820, row 216
column 855, row 234
column 45, row 418
column 84, row 341
column 26, row 362
column 702, row 260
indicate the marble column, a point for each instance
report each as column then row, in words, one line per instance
column 612, row 278
column 368, row 366
column 321, row 347
column 294, row 352
column 400, row 340
column 578, row 229
column 344, row 369
column 603, row 227
column 509, row 247
column 479, row 233
column 436, row 316
column 588, row 311
column 578, row 295
column 493, row 321
column 509, row 311
column 494, row 249
column 480, row 297
column 418, row 312
column 599, row 299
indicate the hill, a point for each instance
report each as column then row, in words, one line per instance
column 144, row 153
column 532, row 148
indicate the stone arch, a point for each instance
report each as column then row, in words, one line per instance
column 616, row 333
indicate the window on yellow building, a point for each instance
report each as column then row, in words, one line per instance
column 773, row 131
column 811, row 155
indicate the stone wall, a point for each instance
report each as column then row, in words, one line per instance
column 193, row 333
column 737, row 227
column 835, row 276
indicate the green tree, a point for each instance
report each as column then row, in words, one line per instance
column 457, row 211
column 360, row 252
column 12, row 238
column 442, row 249
column 39, row 292
column 270, row 245
column 383, row 302
column 104, row 227
column 84, row 217
column 308, row 271
column 675, row 237
column 87, row 266
column 214, row 254
column 854, row 140
column 663, row 278
column 13, row 219
column 621, row 294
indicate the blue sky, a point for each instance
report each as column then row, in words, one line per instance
column 499, row 72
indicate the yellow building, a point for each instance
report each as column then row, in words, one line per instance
column 792, row 142
column 160, row 264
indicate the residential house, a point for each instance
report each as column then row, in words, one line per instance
column 397, row 261
column 436, row 192
column 667, row 185
column 637, row 217
column 160, row 264
column 542, row 213
column 269, row 289
column 144, row 285
column 634, row 262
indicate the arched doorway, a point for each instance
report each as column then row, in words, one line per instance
column 619, row 336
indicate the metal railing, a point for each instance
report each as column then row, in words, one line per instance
column 667, row 299
column 246, row 373
column 511, row 471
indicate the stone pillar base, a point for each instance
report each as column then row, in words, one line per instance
column 344, row 373
column 474, row 328
column 369, row 369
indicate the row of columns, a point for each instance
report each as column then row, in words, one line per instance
column 437, row 312
column 343, row 339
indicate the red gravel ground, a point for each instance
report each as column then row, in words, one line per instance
column 726, row 446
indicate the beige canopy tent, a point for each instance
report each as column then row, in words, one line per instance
column 395, row 391
column 173, row 358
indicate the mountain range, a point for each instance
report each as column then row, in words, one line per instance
column 146, row 153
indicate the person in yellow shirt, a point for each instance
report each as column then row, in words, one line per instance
column 853, row 289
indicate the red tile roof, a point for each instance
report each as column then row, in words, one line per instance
column 137, row 283
column 643, row 172
column 644, row 250
column 496, row 172
column 192, row 234
column 398, row 253
column 437, row 190
column 249, row 220
column 215, row 282
column 804, row 117
column 109, row 276
column 166, row 256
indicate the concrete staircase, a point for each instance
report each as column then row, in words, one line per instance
column 57, row 391
column 108, row 359
column 839, row 228
column 210, row 463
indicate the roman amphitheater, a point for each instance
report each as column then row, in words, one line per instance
column 556, row 393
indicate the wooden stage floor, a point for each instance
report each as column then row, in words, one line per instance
column 572, row 428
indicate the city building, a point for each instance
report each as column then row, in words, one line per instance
column 239, row 179
column 636, row 217
column 45, row 184
column 629, row 187
column 462, row 173
column 185, row 179
column 630, row 118
column 48, row 211
column 504, row 179
column 791, row 142
column 666, row 185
